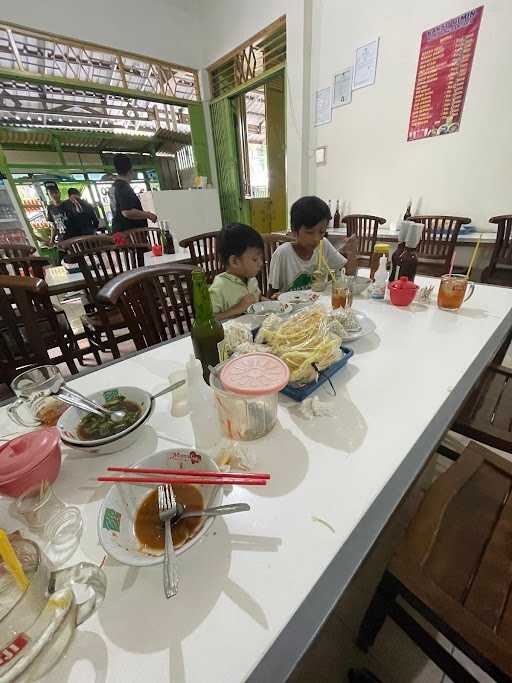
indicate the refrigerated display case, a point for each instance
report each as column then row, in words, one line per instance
column 12, row 223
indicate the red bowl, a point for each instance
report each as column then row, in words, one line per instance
column 28, row 460
column 402, row 296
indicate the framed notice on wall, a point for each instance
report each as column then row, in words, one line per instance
column 442, row 76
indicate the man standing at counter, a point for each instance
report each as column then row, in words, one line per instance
column 126, row 208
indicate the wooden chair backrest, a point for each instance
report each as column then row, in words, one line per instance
column 438, row 239
column 146, row 237
column 155, row 301
column 12, row 249
column 271, row 241
column 25, row 306
column 502, row 253
column 100, row 265
column 75, row 245
column 203, row 253
column 365, row 228
column 28, row 266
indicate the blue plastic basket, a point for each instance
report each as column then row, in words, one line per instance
column 300, row 393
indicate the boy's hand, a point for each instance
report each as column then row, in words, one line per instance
column 247, row 301
column 349, row 250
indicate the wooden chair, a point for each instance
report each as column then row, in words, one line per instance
column 147, row 237
column 365, row 228
column 155, row 302
column 30, row 327
column 499, row 270
column 28, row 266
column 12, row 249
column 454, row 569
column 203, row 253
column 271, row 241
column 98, row 266
column 438, row 242
column 487, row 413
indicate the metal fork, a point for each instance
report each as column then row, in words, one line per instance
column 166, row 511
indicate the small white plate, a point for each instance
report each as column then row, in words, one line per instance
column 262, row 308
column 367, row 326
column 116, row 518
column 299, row 298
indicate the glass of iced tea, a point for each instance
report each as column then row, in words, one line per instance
column 341, row 295
column 452, row 292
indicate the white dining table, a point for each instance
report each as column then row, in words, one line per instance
column 256, row 589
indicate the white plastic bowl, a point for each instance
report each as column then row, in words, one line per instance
column 116, row 518
column 69, row 421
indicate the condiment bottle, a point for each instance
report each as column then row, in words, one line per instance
column 329, row 223
column 407, row 213
column 378, row 251
column 379, row 285
column 201, row 405
column 409, row 259
column 207, row 333
column 337, row 217
column 397, row 254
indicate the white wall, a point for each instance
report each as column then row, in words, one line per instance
column 228, row 23
column 370, row 164
column 158, row 28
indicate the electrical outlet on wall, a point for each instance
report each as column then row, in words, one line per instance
column 321, row 156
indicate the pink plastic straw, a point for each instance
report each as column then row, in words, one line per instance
column 452, row 263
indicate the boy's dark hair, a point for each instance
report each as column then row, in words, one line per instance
column 307, row 212
column 52, row 187
column 73, row 190
column 122, row 164
column 234, row 239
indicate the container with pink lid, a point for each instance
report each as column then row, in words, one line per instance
column 246, row 392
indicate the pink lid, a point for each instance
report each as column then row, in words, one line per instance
column 22, row 454
column 255, row 374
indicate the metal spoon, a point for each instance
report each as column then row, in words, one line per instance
column 181, row 513
column 171, row 387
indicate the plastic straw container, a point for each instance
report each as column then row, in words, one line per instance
column 246, row 391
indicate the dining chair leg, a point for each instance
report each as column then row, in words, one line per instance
column 377, row 611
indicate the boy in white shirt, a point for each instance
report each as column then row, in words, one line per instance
column 293, row 263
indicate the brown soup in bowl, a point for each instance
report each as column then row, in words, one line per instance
column 150, row 531
column 92, row 426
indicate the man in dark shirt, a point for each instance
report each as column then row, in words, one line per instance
column 56, row 213
column 126, row 208
column 81, row 219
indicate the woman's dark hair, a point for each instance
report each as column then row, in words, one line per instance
column 307, row 212
column 72, row 191
column 234, row 239
column 122, row 163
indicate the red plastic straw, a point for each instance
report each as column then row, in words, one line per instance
column 185, row 480
column 192, row 473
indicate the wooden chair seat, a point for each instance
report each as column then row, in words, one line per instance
column 454, row 568
column 97, row 321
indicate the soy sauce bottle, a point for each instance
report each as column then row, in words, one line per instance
column 397, row 254
column 207, row 333
column 408, row 263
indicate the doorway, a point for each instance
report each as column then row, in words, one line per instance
column 261, row 145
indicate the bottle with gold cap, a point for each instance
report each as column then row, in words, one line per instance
column 378, row 251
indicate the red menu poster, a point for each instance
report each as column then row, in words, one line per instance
column 444, row 65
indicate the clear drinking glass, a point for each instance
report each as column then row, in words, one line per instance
column 452, row 292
